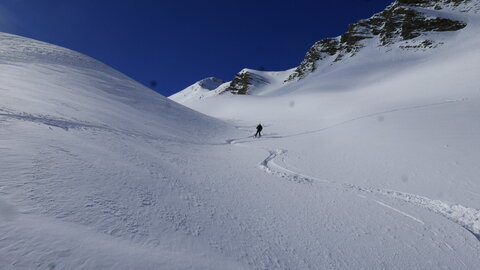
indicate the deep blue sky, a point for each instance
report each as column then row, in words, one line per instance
column 179, row 42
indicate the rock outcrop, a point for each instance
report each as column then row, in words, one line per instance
column 400, row 21
column 243, row 80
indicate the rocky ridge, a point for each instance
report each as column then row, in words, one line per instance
column 404, row 24
column 400, row 21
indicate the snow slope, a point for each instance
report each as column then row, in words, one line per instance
column 368, row 166
column 88, row 173
column 201, row 89
column 378, row 155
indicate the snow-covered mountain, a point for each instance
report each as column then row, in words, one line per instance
column 402, row 26
column 201, row 89
column 411, row 28
column 370, row 162
column 247, row 81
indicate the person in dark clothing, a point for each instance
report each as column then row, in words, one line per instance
column 259, row 129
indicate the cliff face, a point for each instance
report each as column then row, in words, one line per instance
column 400, row 21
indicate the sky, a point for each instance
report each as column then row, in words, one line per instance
column 176, row 43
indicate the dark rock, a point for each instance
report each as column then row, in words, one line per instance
column 243, row 82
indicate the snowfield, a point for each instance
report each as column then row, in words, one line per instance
column 368, row 165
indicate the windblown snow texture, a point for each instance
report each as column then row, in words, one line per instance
column 369, row 163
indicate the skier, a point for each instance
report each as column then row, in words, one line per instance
column 259, row 129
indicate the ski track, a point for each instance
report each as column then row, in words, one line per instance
column 400, row 211
column 276, row 136
column 268, row 164
column 466, row 217
column 378, row 114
